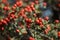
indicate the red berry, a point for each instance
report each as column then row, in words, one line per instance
column 34, row 15
column 31, row 5
column 22, row 10
column 5, row 8
column 46, row 31
column 31, row 38
column 17, row 30
column 59, row 34
column 26, row 20
column 40, row 19
column 46, row 18
column 29, row 10
column 28, row 25
column 3, row 21
column 44, row 4
column 26, row 9
column 15, row 5
column 33, row 9
column 56, row 21
column 48, row 27
column 30, row 20
column 37, row 21
column 19, row 4
column 37, row 2
column 40, row 23
column 2, row 28
column 13, row 16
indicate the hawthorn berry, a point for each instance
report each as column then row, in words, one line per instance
column 46, row 18
column 37, row 2
column 59, row 34
column 44, row 4
column 30, row 20
column 31, row 38
column 4, row 22
column 37, row 21
column 19, row 3
column 46, row 31
column 48, row 27
column 5, row 8
column 7, row 19
column 56, row 21
column 40, row 19
column 2, row 28
column 15, row 5
column 17, row 30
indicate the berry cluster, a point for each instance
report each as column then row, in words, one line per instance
column 22, row 21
